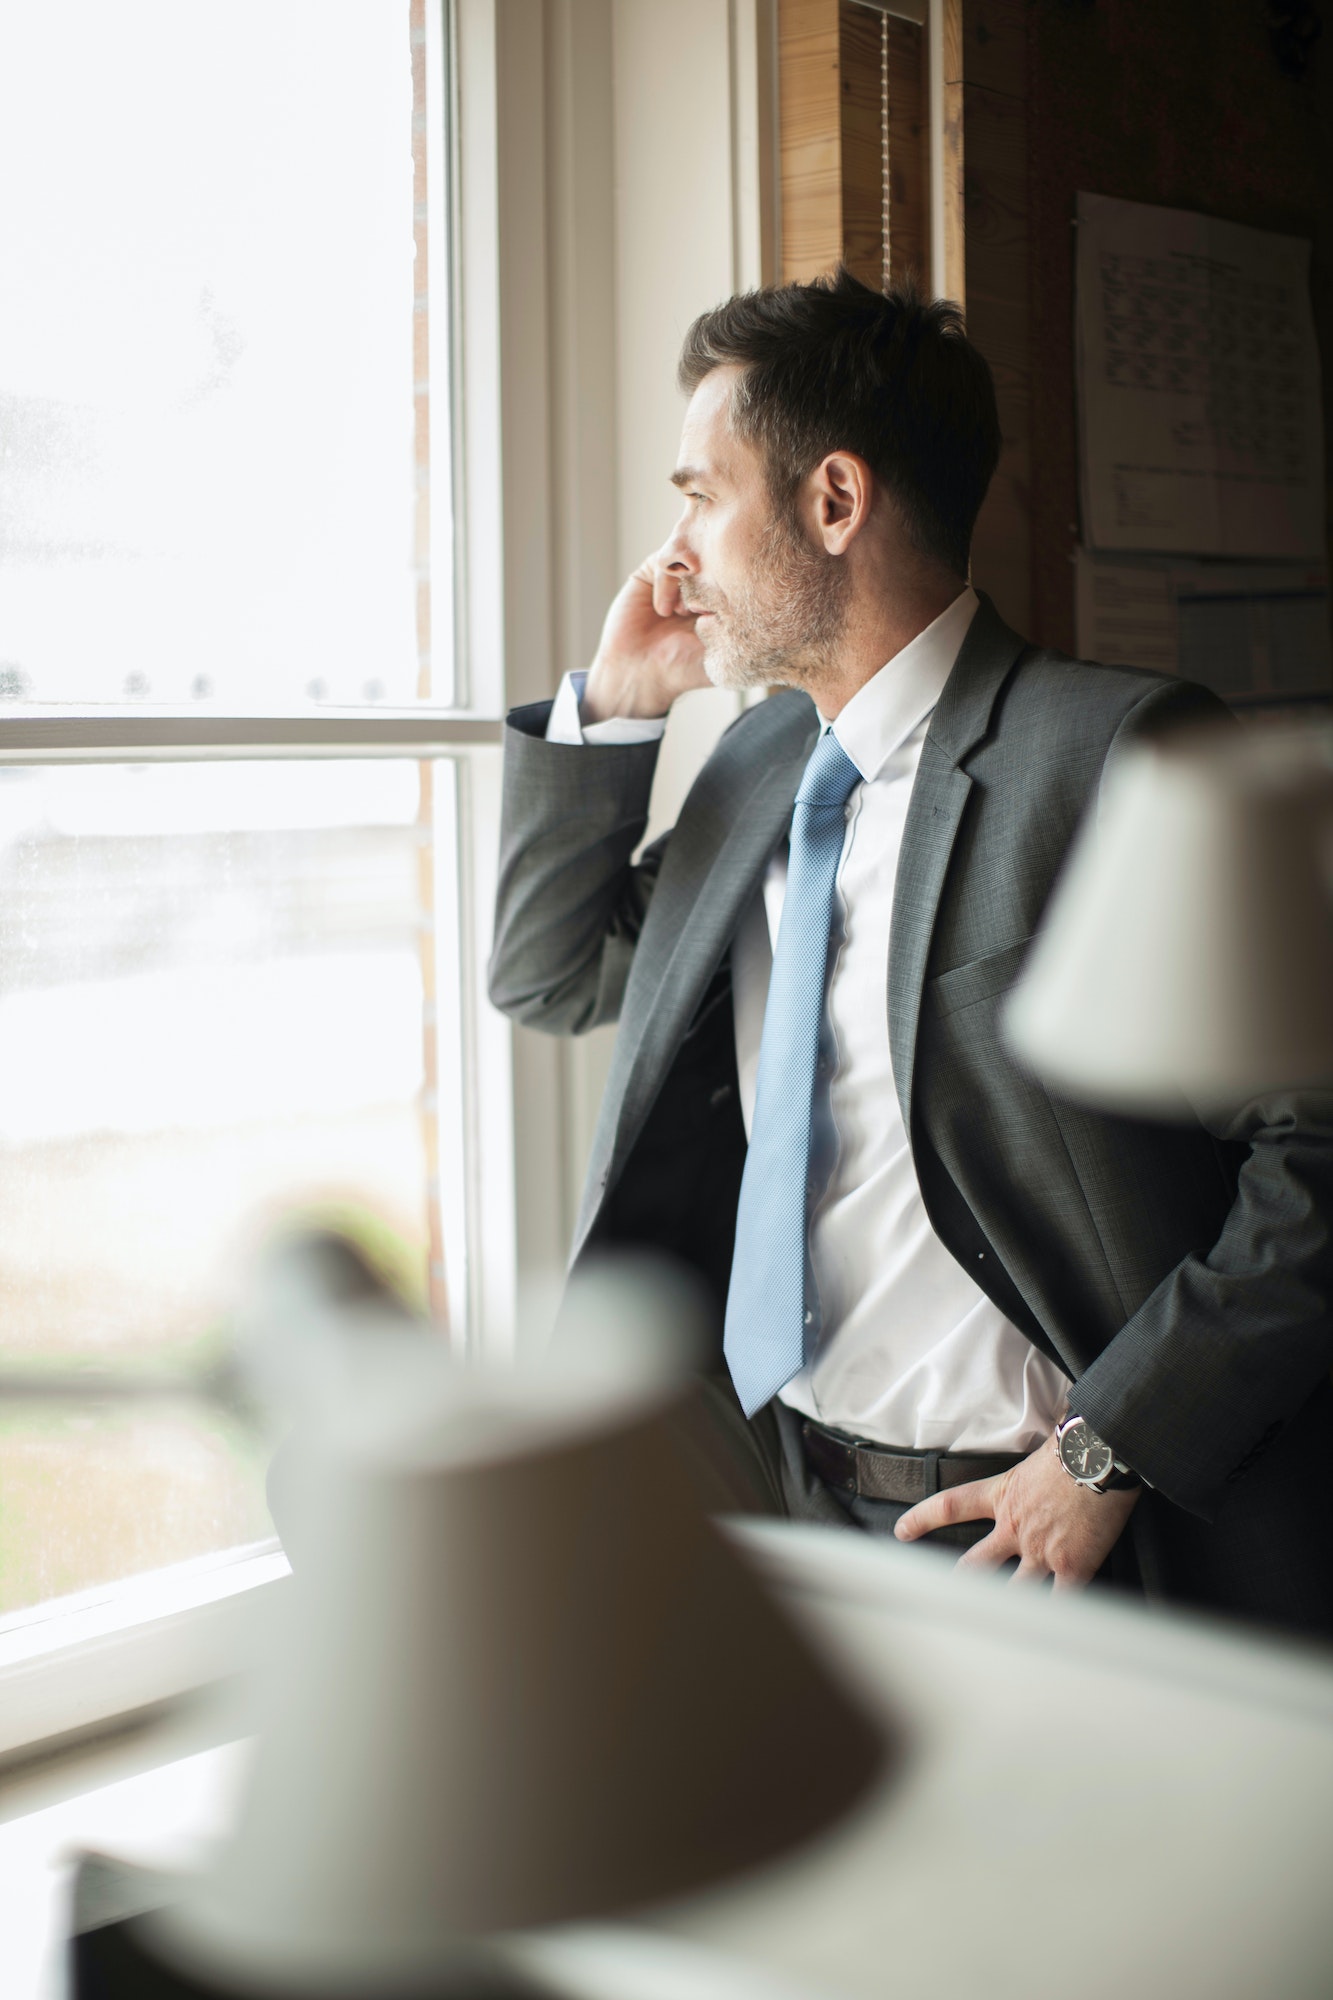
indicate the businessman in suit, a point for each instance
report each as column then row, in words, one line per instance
column 954, row 1305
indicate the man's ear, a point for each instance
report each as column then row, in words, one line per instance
column 842, row 493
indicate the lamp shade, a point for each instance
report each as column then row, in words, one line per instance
column 1187, row 956
column 520, row 1677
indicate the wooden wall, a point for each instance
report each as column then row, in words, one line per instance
column 992, row 57
column 1178, row 102
column 1183, row 104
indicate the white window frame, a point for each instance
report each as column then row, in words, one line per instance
column 80, row 1663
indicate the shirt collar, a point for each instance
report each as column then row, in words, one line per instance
column 881, row 716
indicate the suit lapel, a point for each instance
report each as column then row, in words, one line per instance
column 962, row 718
column 738, row 810
column 938, row 797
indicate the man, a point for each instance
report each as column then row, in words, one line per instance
column 954, row 1304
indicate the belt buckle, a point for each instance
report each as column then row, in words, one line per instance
column 817, row 1435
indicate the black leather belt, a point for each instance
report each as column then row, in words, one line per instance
column 870, row 1470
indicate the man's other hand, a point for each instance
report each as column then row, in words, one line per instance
column 1055, row 1527
column 648, row 653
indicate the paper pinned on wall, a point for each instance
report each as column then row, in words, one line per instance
column 1253, row 632
column 1198, row 371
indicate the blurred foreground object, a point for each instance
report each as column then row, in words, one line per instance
column 1187, row 957
column 520, row 1677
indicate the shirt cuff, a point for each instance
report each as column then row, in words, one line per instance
column 564, row 725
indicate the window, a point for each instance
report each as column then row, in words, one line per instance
column 247, row 775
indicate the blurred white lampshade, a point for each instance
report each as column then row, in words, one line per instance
column 1187, row 955
column 521, row 1677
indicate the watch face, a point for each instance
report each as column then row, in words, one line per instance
column 1084, row 1454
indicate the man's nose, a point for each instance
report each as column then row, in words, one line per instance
column 676, row 556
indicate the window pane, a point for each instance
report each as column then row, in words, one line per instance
column 217, row 353
column 220, row 1004
column 90, row 1497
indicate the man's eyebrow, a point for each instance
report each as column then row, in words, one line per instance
column 689, row 475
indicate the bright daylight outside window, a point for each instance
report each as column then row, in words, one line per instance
column 229, row 969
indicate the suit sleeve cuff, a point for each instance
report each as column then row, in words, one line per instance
column 565, row 726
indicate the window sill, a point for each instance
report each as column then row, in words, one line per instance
column 83, row 1665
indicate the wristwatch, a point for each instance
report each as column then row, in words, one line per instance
column 1089, row 1460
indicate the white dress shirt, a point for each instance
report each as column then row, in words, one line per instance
column 910, row 1352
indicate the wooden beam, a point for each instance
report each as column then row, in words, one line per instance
column 951, row 279
column 998, row 277
column 909, row 150
column 861, row 140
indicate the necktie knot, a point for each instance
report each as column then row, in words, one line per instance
column 830, row 775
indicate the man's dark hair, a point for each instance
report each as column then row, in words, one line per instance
column 834, row 366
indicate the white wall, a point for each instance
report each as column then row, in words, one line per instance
column 674, row 257
column 632, row 194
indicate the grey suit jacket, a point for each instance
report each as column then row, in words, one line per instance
column 1182, row 1276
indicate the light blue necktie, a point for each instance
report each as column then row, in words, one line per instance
column 767, row 1325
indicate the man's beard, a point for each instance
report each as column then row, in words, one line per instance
column 784, row 626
